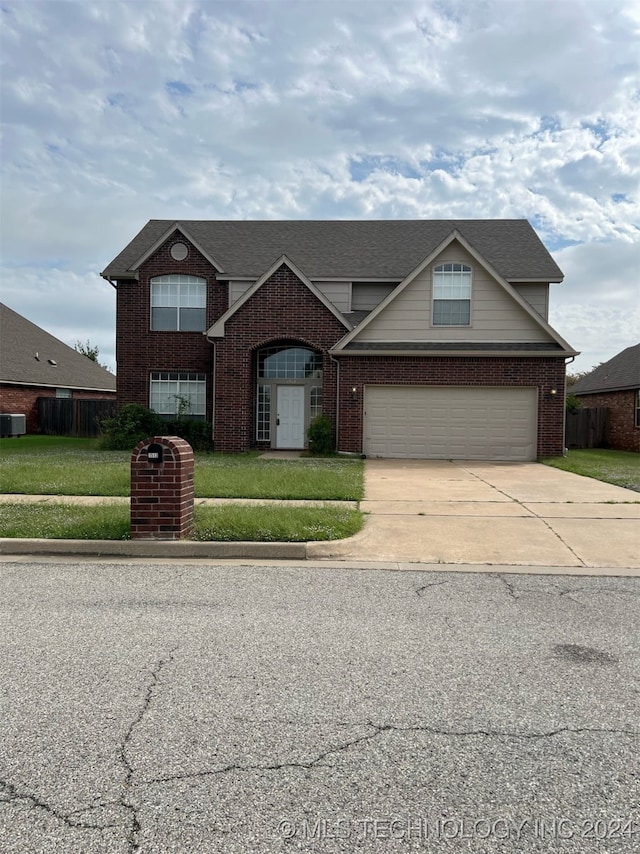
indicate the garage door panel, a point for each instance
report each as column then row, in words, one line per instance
column 450, row 422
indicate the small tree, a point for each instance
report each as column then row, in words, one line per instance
column 89, row 351
column 572, row 379
column 573, row 403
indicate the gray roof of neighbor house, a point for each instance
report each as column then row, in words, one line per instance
column 347, row 249
column 621, row 372
column 31, row 356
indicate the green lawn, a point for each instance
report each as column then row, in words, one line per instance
column 51, row 465
column 621, row 468
column 227, row 523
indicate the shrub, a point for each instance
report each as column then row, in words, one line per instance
column 130, row 425
column 320, row 435
column 196, row 433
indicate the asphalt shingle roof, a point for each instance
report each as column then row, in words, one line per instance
column 349, row 249
column 27, row 353
column 620, row 372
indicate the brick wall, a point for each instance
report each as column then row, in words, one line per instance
column 283, row 309
column 139, row 350
column 621, row 432
column 544, row 374
column 24, row 399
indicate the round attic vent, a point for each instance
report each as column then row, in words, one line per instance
column 179, row 251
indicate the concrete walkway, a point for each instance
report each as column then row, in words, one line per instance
column 423, row 512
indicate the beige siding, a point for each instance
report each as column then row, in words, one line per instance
column 338, row 293
column 365, row 296
column 536, row 294
column 236, row 289
column 495, row 315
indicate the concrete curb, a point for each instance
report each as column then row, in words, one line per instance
column 154, row 548
column 269, row 554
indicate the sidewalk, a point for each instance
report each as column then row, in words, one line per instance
column 429, row 513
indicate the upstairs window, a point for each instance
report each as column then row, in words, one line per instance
column 452, row 295
column 178, row 304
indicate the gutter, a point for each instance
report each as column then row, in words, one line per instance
column 60, row 384
column 540, row 354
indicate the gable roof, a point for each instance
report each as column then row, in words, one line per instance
column 217, row 330
column 437, row 250
column 345, row 249
column 31, row 356
column 619, row 373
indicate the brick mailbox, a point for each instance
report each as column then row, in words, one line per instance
column 162, row 489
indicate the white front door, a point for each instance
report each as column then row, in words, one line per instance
column 290, row 417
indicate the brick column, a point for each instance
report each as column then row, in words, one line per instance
column 162, row 489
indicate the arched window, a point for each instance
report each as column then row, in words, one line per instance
column 451, row 295
column 178, row 303
column 289, row 363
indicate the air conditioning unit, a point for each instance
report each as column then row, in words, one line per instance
column 13, row 425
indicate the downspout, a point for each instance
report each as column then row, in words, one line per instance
column 213, row 389
column 564, row 408
column 337, row 362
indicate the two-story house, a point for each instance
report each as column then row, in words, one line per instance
column 418, row 338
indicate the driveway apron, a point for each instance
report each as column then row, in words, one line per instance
column 441, row 511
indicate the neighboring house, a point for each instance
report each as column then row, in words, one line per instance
column 34, row 364
column 615, row 385
column 419, row 338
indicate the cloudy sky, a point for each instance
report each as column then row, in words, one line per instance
column 117, row 112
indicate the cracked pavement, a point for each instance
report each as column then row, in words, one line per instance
column 195, row 707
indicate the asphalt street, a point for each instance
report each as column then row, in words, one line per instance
column 200, row 708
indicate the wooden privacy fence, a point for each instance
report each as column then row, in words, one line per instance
column 69, row 417
column 586, row 428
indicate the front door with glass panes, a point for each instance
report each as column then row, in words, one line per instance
column 289, row 394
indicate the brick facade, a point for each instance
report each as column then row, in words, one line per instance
column 621, row 432
column 24, row 399
column 543, row 373
column 139, row 350
column 282, row 310
column 285, row 311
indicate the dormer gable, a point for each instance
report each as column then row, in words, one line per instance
column 176, row 230
column 453, row 295
column 218, row 328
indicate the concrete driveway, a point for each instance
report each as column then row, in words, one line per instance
column 439, row 511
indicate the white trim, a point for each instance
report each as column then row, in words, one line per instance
column 217, row 330
column 430, row 258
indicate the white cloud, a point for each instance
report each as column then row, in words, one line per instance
column 597, row 308
column 303, row 109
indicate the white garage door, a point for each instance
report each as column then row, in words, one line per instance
column 450, row 423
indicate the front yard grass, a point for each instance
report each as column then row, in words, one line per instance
column 51, row 465
column 226, row 523
column 621, row 468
